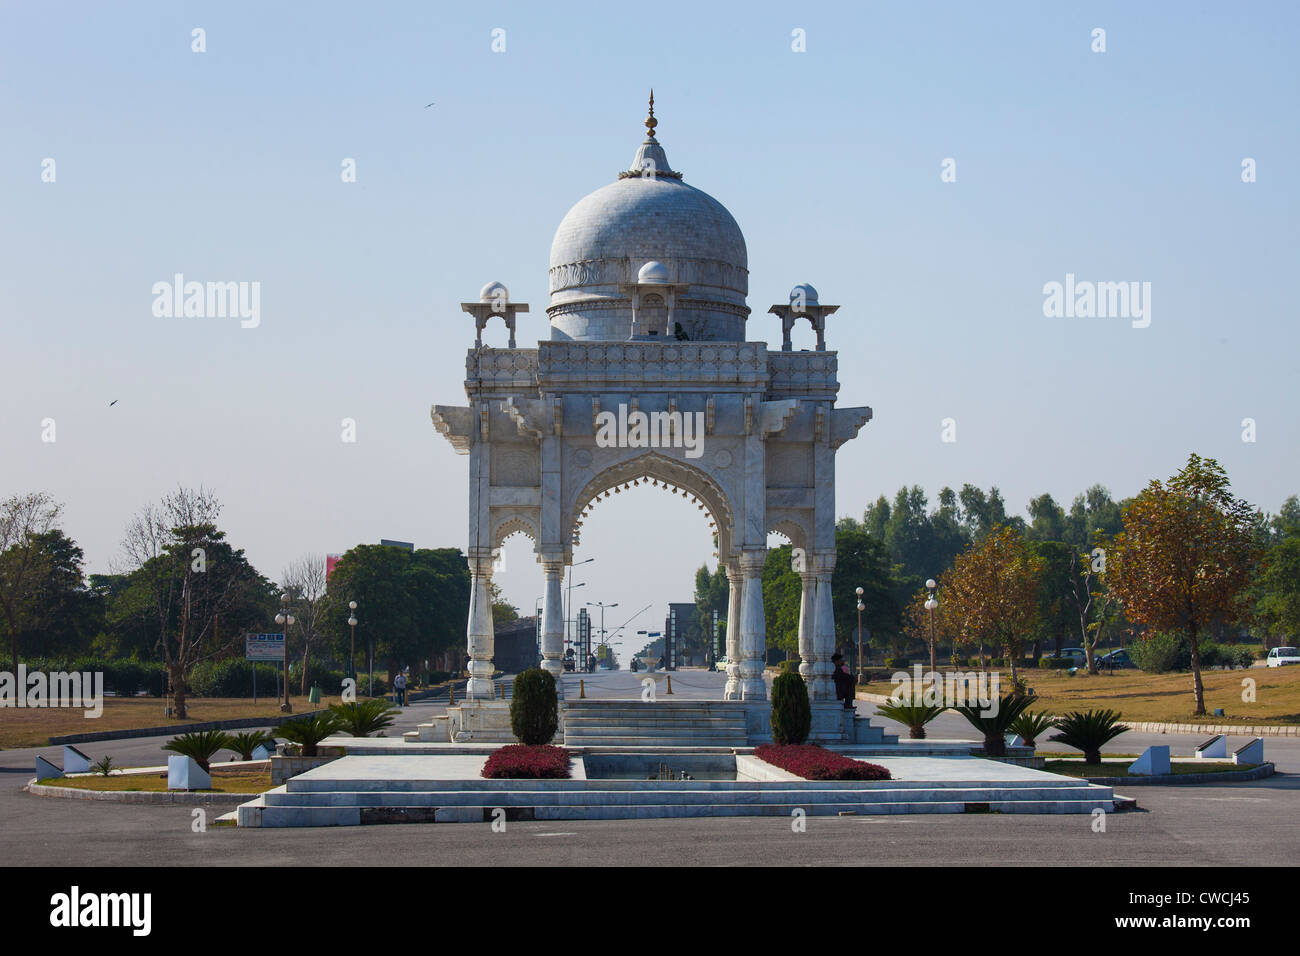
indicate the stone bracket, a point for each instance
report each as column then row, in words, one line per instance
column 456, row 424
column 846, row 423
column 776, row 415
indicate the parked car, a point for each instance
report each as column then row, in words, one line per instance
column 1281, row 656
column 1076, row 655
column 1116, row 659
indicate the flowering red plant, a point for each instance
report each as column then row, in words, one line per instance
column 520, row 761
column 817, row 763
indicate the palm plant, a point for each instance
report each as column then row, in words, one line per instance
column 1030, row 725
column 364, row 717
column 246, row 742
column 104, row 767
column 994, row 726
column 200, row 746
column 915, row 715
column 309, row 730
column 1089, row 732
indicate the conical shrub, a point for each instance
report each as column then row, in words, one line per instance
column 534, row 707
column 791, row 712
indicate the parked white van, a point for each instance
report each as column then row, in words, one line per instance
column 1279, row 656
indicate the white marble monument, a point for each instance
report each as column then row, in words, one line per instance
column 649, row 345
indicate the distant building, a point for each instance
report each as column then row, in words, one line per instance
column 516, row 646
column 404, row 545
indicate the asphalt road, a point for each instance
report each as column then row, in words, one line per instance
column 1198, row 825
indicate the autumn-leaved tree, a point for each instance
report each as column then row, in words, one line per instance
column 991, row 592
column 1186, row 557
column 931, row 627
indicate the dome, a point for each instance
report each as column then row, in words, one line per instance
column 492, row 291
column 804, row 293
column 653, row 273
column 648, row 217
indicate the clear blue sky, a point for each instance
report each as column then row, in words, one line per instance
column 225, row 165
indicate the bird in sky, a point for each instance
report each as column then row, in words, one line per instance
column 431, row 104
column 113, row 402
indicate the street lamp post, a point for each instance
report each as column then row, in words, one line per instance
column 569, row 602
column 602, row 605
column 285, row 618
column 861, row 607
column 930, row 605
column 352, row 656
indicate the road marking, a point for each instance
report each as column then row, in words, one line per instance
column 556, row 834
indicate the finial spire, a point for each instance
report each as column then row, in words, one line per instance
column 651, row 122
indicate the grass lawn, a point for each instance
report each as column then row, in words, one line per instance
column 223, row 781
column 1076, row 768
column 1168, row 697
column 23, row 727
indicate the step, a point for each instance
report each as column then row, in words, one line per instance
column 683, row 797
column 653, row 741
column 272, row 816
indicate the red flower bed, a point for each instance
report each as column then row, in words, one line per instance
column 817, row 763
column 522, row 762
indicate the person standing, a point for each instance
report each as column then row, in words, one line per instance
column 399, row 689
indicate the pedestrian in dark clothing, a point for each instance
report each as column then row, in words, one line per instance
column 845, row 683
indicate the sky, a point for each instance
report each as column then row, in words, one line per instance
column 226, row 165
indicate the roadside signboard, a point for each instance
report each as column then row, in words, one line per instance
column 264, row 647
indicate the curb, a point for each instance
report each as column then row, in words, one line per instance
column 1227, row 776
column 1161, row 727
column 141, row 797
column 232, row 724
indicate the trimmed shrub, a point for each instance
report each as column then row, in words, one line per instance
column 995, row 726
column 897, row 663
column 1054, row 663
column 308, row 731
column 364, row 717
column 817, row 763
column 201, row 745
column 525, row 762
column 1089, row 732
column 534, row 708
column 791, row 712
column 245, row 742
column 790, row 666
column 913, row 716
column 1160, row 653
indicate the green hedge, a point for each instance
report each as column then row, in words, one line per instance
column 125, row 677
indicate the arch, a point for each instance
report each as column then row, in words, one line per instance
column 511, row 523
column 656, row 467
column 790, row 526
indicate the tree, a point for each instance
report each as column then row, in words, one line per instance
column 24, row 519
column 186, row 578
column 862, row 561
column 1047, row 520
column 1186, row 556
column 1280, row 604
column 1091, row 600
column 712, row 593
column 992, row 592
column 61, row 614
column 924, row 626
column 412, row 605
column 782, row 597
column 1055, row 613
column 304, row 582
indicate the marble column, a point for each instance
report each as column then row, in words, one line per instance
column 737, row 582
column 753, row 634
column 808, row 656
column 552, row 622
column 480, row 637
column 823, row 637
